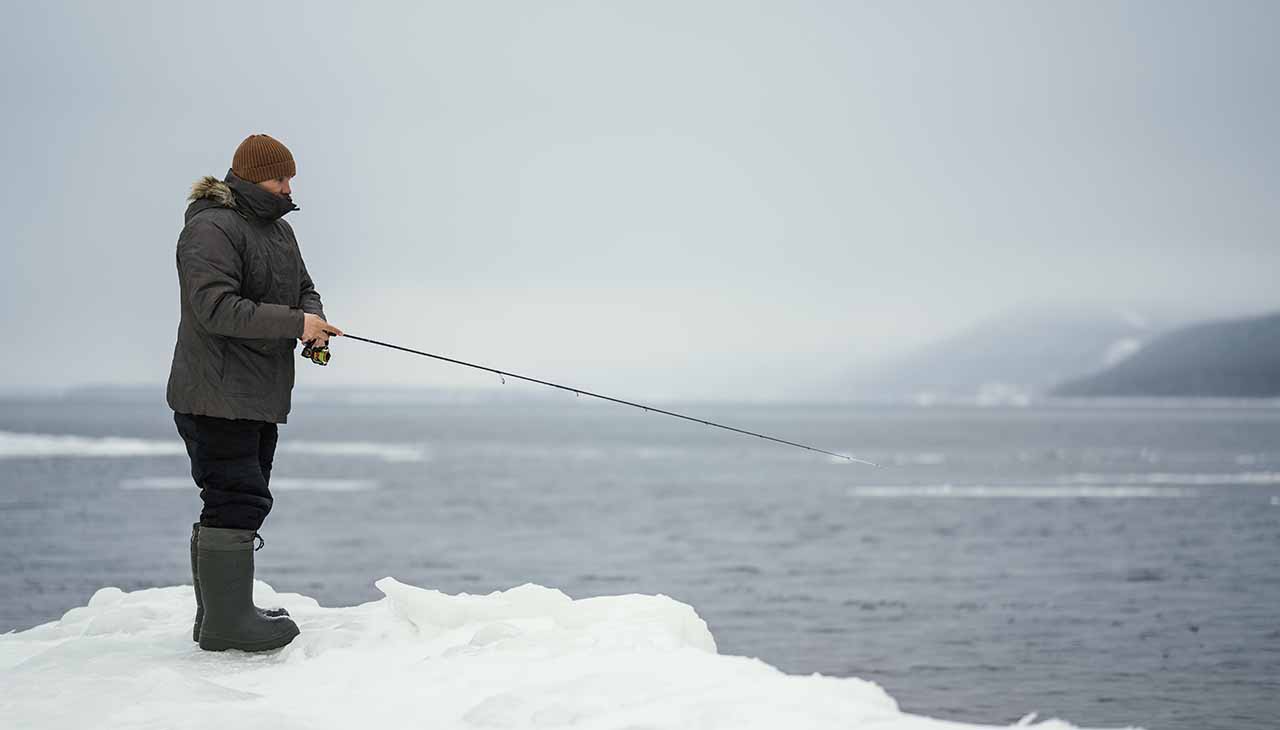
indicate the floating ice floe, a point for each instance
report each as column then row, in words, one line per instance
column 528, row 657
column 1208, row 480
column 14, row 445
column 1026, row 491
column 310, row 484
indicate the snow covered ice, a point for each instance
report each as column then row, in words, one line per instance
column 528, row 657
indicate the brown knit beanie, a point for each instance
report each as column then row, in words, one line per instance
column 262, row 157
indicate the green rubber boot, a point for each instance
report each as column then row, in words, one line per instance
column 224, row 560
column 195, row 582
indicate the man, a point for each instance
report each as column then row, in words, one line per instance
column 246, row 299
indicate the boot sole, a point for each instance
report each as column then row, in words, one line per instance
column 272, row 613
column 215, row 643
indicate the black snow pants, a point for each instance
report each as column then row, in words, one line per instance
column 231, row 463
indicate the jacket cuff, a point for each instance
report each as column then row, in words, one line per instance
column 299, row 322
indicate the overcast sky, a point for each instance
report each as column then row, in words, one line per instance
column 659, row 198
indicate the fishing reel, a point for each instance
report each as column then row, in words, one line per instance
column 318, row 355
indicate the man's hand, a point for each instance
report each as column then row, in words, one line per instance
column 317, row 331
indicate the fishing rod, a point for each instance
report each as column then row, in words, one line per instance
column 320, row 356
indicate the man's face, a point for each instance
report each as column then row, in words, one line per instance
column 279, row 185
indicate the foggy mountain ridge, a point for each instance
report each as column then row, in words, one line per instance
column 1229, row 358
column 1013, row 356
column 1010, row 358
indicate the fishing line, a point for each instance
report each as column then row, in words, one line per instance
column 578, row 391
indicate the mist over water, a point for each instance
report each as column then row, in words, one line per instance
column 1106, row 565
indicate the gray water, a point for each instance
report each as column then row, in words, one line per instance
column 1106, row 565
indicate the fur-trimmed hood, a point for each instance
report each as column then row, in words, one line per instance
column 242, row 196
column 211, row 188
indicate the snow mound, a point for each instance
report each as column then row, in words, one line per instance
column 528, row 657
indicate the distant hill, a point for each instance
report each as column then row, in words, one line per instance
column 1012, row 357
column 1236, row 358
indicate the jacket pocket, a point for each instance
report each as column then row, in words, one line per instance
column 250, row 367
